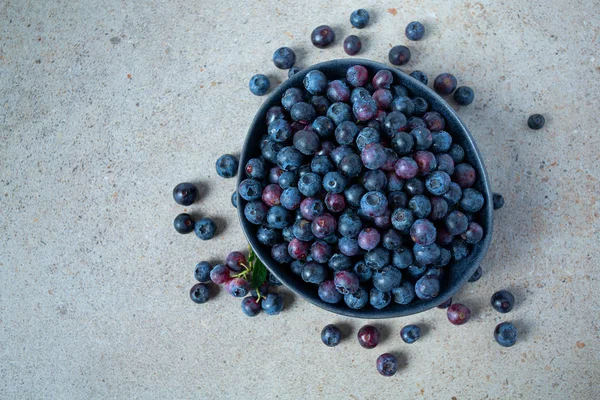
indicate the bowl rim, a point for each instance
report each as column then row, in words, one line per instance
column 443, row 108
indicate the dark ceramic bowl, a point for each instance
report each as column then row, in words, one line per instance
column 459, row 272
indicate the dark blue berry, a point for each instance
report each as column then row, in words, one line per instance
column 416, row 271
column 439, row 208
column 377, row 258
column 251, row 306
column 453, row 195
column 339, row 112
column 456, row 222
column 284, row 58
column 339, row 262
column 414, row 187
column 259, row 84
column 183, row 223
column 460, row 249
column 445, row 257
column 291, row 198
column 410, row 333
column 404, row 104
column 331, row 335
column 354, row 193
column 328, row 293
column 273, row 304
column 205, row 228
column 303, row 112
column 352, row 45
column 476, row 275
column 293, row 71
column 387, row 278
column 321, row 104
column 373, row 203
column 399, row 55
column 402, row 219
column 503, row 301
column 200, row 293
column 291, row 97
column 471, row 200
column 349, row 246
column 394, row 183
column 464, row 95
column 420, row 206
column 505, row 334
column 359, row 18
column 302, row 230
column 255, row 168
column 457, row 153
column 367, row 136
column 256, row 212
column 445, row 163
column 444, row 84
column 322, row 36
column 202, row 271
column 397, row 199
column 426, row 255
column 387, row 364
column 234, row 199
column 310, row 184
column 278, row 217
column 423, row 232
column 357, row 76
column 275, row 112
column 314, row 273
column 391, row 240
column 420, row 76
column 536, row 121
column 279, row 130
column 438, row 183
column 498, row 200
column 267, row 236
column 420, row 106
column 427, row 287
column 270, row 150
column 349, row 224
column 321, row 165
column 362, row 271
column 404, row 294
column 280, row 254
column 357, row 299
column 414, row 31
column 346, row 133
column 315, row 82
column 296, row 267
column 379, row 299
column 364, row 109
column 250, row 189
column 288, row 179
column 441, row 142
column 185, row 194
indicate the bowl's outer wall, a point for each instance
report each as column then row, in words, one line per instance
column 456, row 276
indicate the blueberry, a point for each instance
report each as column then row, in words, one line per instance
column 311, row 207
column 399, row 90
column 339, row 262
column 321, row 165
column 368, row 336
column 445, row 163
column 420, row 206
column 457, row 153
column 471, row 200
column 402, row 219
column 339, row 112
column 439, row 208
column 275, row 112
column 434, row 121
column 185, row 194
column 271, row 195
column 346, row 282
column 373, row 203
column 335, row 202
column 205, row 228
column 444, row 237
column 280, row 254
column 394, row 183
column 498, row 200
column 359, row 93
column 352, row 45
column 350, row 164
column 441, row 142
column 338, row 153
column 273, row 304
column 251, row 306
column 353, row 194
column 338, row 91
column 310, row 184
column 444, row 84
column 293, row 71
column 362, row 271
column 274, row 174
column 399, row 55
column 357, row 299
column 476, row 275
column 414, row 31
column 314, row 273
column 387, row 278
column 420, row 76
column 357, row 76
column 270, row 150
column 536, row 121
column 328, row 293
column 426, row 162
column 322, row 36
column 237, row 287
column 445, row 304
column 456, row 222
column 505, row 334
column 255, row 168
column 296, row 267
column 438, row 183
column 183, row 223
column 320, row 251
column 427, row 287
column 458, row 314
column 367, row 136
column 200, row 293
column 267, row 236
column 373, row 156
column 259, row 84
column 278, row 217
column 334, row 182
column 404, row 294
column 323, row 127
column 349, row 246
column 323, row 225
column 414, row 187
column 422, row 137
column 220, row 274
column 288, row 179
column 503, row 301
column 279, row 130
column 291, row 198
column 410, row 334
column 420, row 106
column 379, row 299
column 315, row 82
column 406, row 168
column 235, row 261
column 464, row 95
column 302, row 230
column 346, row 133
column 291, row 97
column 391, row 240
column 464, row 175
column 377, row 258
column 397, row 199
column 404, row 105
column 393, row 123
column 453, row 195
column 423, row 232
column 368, row 238
column 349, row 224
column 426, row 255
column 202, row 272
column 382, row 79
column 284, row 58
column 303, row 112
column 387, row 364
column 321, row 104
column 445, row 257
column 473, row 234
column 234, row 199
column 383, row 98
column 460, row 250
column 416, row 122
column 331, row 335
column 359, row 18
column 287, row 233
column 364, row 109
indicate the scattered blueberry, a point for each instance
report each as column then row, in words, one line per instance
column 458, row 314
column 183, row 223
column 205, row 228
column 200, row 293
column 505, row 334
column 284, row 58
column 251, row 306
column 503, row 301
column 414, row 31
column 464, row 95
column 322, row 36
column 185, row 194
column 352, row 45
column 359, row 18
column 536, row 121
column 293, row 71
column 331, row 335
column 259, row 84
column 498, row 200
column 444, row 84
column 476, row 275
column 420, row 76
column 387, row 364
column 410, row 333
column 399, row 55
column 368, row 336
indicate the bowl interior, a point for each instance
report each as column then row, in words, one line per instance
column 456, row 274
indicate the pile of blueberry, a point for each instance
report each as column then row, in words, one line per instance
column 361, row 191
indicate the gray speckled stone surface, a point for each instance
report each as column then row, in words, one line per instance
column 105, row 106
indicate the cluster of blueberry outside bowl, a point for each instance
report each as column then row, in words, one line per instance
column 459, row 272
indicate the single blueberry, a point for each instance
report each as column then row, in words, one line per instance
column 464, row 95
column 284, row 58
column 410, row 333
column 331, row 335
column 259, row 84
column 414, row 31
column 185, row 194
column 183, row 223
column 359, row 18
column 505, row 334
column 200, row 293
column 205, row 228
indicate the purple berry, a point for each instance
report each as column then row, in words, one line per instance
column 423, row 232
column 368, row 336
column 346, row 282
column 458, row 314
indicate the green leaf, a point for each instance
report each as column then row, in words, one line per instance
column 259, row 273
